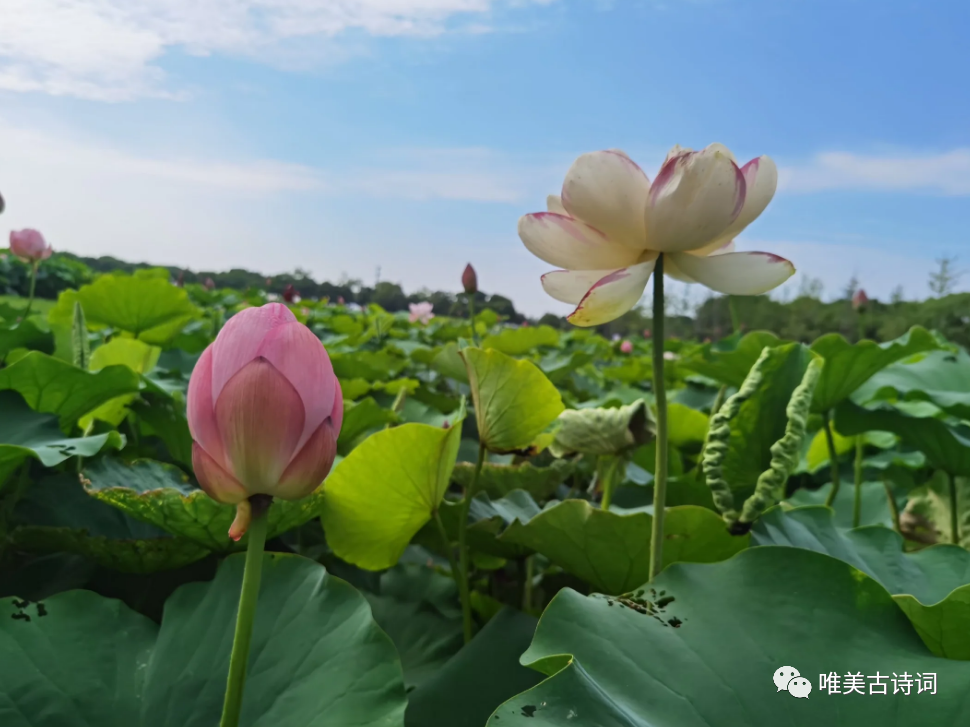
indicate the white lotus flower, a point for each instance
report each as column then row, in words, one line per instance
column 610, row 225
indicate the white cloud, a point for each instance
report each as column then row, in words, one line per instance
column 946, row 173
column 107, row 49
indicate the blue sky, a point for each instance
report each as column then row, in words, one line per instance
column 412, row 134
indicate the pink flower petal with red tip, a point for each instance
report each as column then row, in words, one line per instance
column 613, row 295
column 300, row 356
column 214, row 480
column 261, row 416
column 310, row 467
column 694, row 199
column 736, row 273
column 607, row 190
column 240, row 338
column 201, row 411
column 569, row 243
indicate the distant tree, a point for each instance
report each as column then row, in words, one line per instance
column 810, row 287
column 897, row 295
column 851, row 287
column 943, row 281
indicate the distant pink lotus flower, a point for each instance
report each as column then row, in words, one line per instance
column 209, row 284
column 421, row 312
column 29, row 245
column 860, row 299
column 646, row 333
column 340, row 300
column 626, row 347
column 264, row 411
column 289, row 293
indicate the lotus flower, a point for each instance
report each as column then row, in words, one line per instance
column 209, row 284
column 626, row 347
column 421, row 312
column 264, row 411
column 29, row 245
column 611, row 224
column 289, row 293
column 469, row 280
column 860, row 300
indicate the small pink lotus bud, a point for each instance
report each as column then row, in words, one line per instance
column 29, row 245
column 525, row 324
column 626, row 347
column 340, row 300
column 421, row 312
column 264, row 411
column 860, row 300
column 646, row 333
column 210, row 284
column 289, row 293
column 469, row 280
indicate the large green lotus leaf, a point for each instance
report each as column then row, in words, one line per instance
column 150, row 308
column 360, row 418
column 161, row 415
column 941, row 377
column 317, row 657
column 703, row 644
column 558, row 364
column 729, row 361
column 875, row 505
column 26, row 433
column 74, row 660
column 944, row 626
column 487, row 520
column 946, row 446
column 603, row 431
column 389, row 486
column 611, row 551
column 762, row 419
column 479, row 678
column 447, row 362
column 685, row 426
column 162, row 494
column 418, row 608
column 514, row 401
column 367, row 365
column 929, row 574
column 848, row 366
column 53, row 386
column 30, row 334
column 56, row 515
column 498, row 480
column 519, row 341
column 130, row 352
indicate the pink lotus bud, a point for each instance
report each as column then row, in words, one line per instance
column 29, row 245
column 289, row 293
column 626, row 347
column 421, row 312
column 340, row 300
column 646, row 333
column 469, row 280
column 860, row 299
column 210, row 284
column 264, row 411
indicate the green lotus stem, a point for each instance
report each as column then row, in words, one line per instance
column 857, row 503
column 715, row 408
column 735, row 316
column 232, row 707
column 660, row 397
column 608, row 475
column 527, row 583
column 466, row 503
column 471, row 316
column 33, row 284
column 450, row 552
column 893, row 506
column 833, row 458
column 954, row 510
